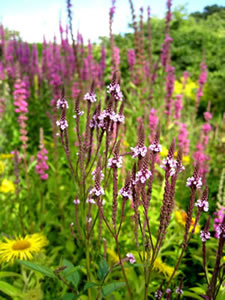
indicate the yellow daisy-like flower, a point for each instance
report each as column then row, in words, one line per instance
column 185, row 158
column 2, row 167
column 162, row 267
column 181, row 218
column 190, row 88
column 126, row 144
column 7, row 186
column 21, row 248
column 6, row 155
column 164, row 151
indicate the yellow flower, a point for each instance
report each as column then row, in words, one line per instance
column 21, row 248
column 34, row 294
column 185, row 158
column 190, row 88
column 7, row 186
column 181, row 218
column 164, row 151
column 2, row 167
column 5, row 155
column 126, row 144
column 113, row 257
column 163, row 268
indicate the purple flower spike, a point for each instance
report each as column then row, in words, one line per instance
column 90, row 97
column 194, row 182
column 179, row 291
column 204, row 235
column 131, row 258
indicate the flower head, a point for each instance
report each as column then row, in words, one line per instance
column 179, row 290
column 61, row 103
column 131, row 258
column 204, row 205
column 155, row 147
column 204, row 235
column 115, row 162
column 138, row 151
column 194, row 182
column 169, row 164
column 158, row 294
column 114, row 90
column 7, row 186
column 62, row 124
column 21, row 248
column 90, row 97
column 76, row 201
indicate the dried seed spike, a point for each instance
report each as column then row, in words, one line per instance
column 119, row 80
column 141, row 133
column 128, row 179
column 206, row 229
column 146, row 160
column 114, row 77
column 172, row 149
column 134, row 169
column 117, row 149
column 99, row 164
column 196, row 170
column 157, row 135
column 63, row 92
column 98, row 177
column 77, row 104
column 179, row 157
column 205, row 194
column 121, row 108
column 92, row 90
column 109, row 104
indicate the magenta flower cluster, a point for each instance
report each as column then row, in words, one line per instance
column 183, row 138
column 219, row 215
column 41, row 166
column 20, row 102
column 201, row 82
column 194, row 182
column 114, row 90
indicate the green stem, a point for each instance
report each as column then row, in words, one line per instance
column 88, row 267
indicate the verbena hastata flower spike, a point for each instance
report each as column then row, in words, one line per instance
column 169, row 165
column 41, row 166
column 90, row 98
column 140, row 150
column 63, row 124
column 194, row 183
column 155, row 148
column 215, row 282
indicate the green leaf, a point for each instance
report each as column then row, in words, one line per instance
column 71, row 273
column 191, row 295
column 89, row 285
column 10, row 290
column 35, row 267
column 9, row 274
column 69, row 296
column 111, row 287
column 198, row 290
column 103, row 269
column 31, row 166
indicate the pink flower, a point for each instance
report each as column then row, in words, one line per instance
column 131, row 258
column 204, row 235
column 207, row 116
column 153, row 120
column 41, row 165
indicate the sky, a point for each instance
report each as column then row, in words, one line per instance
column 36, row 18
